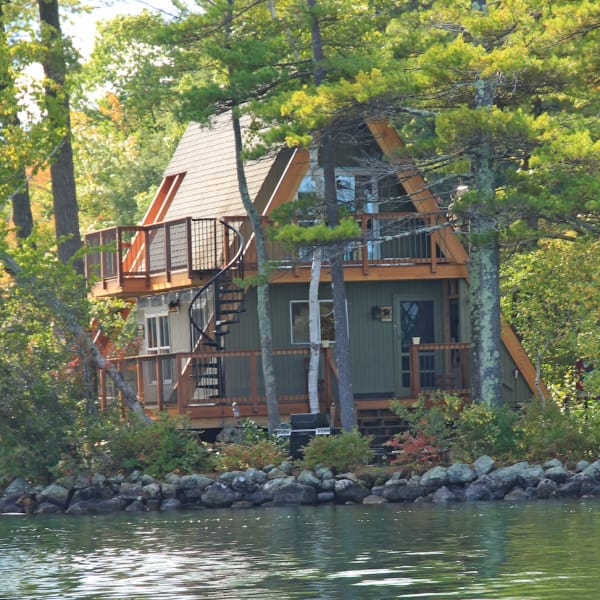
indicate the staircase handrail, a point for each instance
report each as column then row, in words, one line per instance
column 237, row 258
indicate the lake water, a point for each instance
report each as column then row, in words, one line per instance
column 539, row 550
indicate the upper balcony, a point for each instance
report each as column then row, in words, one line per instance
column 135, row 260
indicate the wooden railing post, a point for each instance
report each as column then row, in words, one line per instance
column 432, row 244
column 140, row 381
column 415, row 384
column 167, row 231
column 159, row 383
column 365, row 245
column 190, row 256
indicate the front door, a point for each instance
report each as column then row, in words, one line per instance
column 414, row 319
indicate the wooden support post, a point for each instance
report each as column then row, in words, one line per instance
column 415, row 384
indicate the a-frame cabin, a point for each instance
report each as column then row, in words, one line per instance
column 406, row 285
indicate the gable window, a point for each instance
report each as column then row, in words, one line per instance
column 299, row 321
column 158, row 341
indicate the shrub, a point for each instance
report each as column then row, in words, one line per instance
column 162, row 447
column 340, row 452
column 482, row 429
column 243, row 455
column 548, row 431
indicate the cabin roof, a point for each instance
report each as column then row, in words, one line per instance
column 206, row 154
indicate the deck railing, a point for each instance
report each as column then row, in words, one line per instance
column 162, row 381
column 196, row 245
column 439, row 366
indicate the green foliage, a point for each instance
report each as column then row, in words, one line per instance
column 442, row 431
column 42, row 369
column 114, row 444
column 341, row 452
column 550, row 431
column 255, row 447
column 241, row 456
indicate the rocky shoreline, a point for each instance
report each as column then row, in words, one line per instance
column 281, row 486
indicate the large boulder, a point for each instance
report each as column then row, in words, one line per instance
column 479, row 490
column 348, row 490
column 400, row 490
column 460, row 473
column 294, row 493
column 506, row 478
column 218, row 495
column 434, row 478
column 55, row 494
column 483, row 465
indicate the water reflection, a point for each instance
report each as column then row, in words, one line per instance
column 526, row 551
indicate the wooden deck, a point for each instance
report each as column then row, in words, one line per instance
column 164, row 382
column 128, row 262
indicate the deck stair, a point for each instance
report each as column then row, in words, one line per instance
column 381, row 423
column 214, row 308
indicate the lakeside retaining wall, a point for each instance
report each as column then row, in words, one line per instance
column 282, row 486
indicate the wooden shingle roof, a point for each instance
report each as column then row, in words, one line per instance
column 206, row 154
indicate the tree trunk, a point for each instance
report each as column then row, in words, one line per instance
column 484, row 265
column 314, row 326
column 264, row 312
column 66, row 211
column 342, row 343
column 21, row 205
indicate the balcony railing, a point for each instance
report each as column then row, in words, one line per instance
column 442, row 367
column 197, row 245
column 139, row 252
column 163, row 381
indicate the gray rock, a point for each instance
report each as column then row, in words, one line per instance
column 327, row 485
column 581, row 465
column 18, row 487
column 557, row 473
column 309, row 478
column 292, row 494
column 517, row 494
column 506, row 478
column 569, row 489
column 377, row 490
column 400, row 491
column 55, row 494
column 218, row 495
column 256, row 476
column 434, row 478
column 593, row 470
column 276, row 474
column 47, row 508
column 274, row 484
column 530, row 477
column 483, row 465
column 83, row 507
column 287, row 467
column 323, row 472
column 374, row 499
column 549, row 464
column 152, row 490
column 478, row 491
column 324, row 497
column 98, row 479
column 146, row 479
column 347, row 490
column 169, row 490
column 111, row 505
column 135, row 476
column 443, row 496
column 546, row 488
column 590, row 488
column 460, row 473
column 130, row 491
column 170, row 504
column 173, row 479
column 195, row 482
column 138, row 506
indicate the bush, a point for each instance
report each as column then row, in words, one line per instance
column 481, row 429
column 548, row 431
column 340, row 452
column 162, row 447
column 241, row 456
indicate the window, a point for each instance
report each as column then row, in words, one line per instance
column 299, row 321
column 158, row 341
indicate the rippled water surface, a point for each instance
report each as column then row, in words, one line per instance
column 541, row 550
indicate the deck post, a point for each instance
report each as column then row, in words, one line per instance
column 415, row 384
